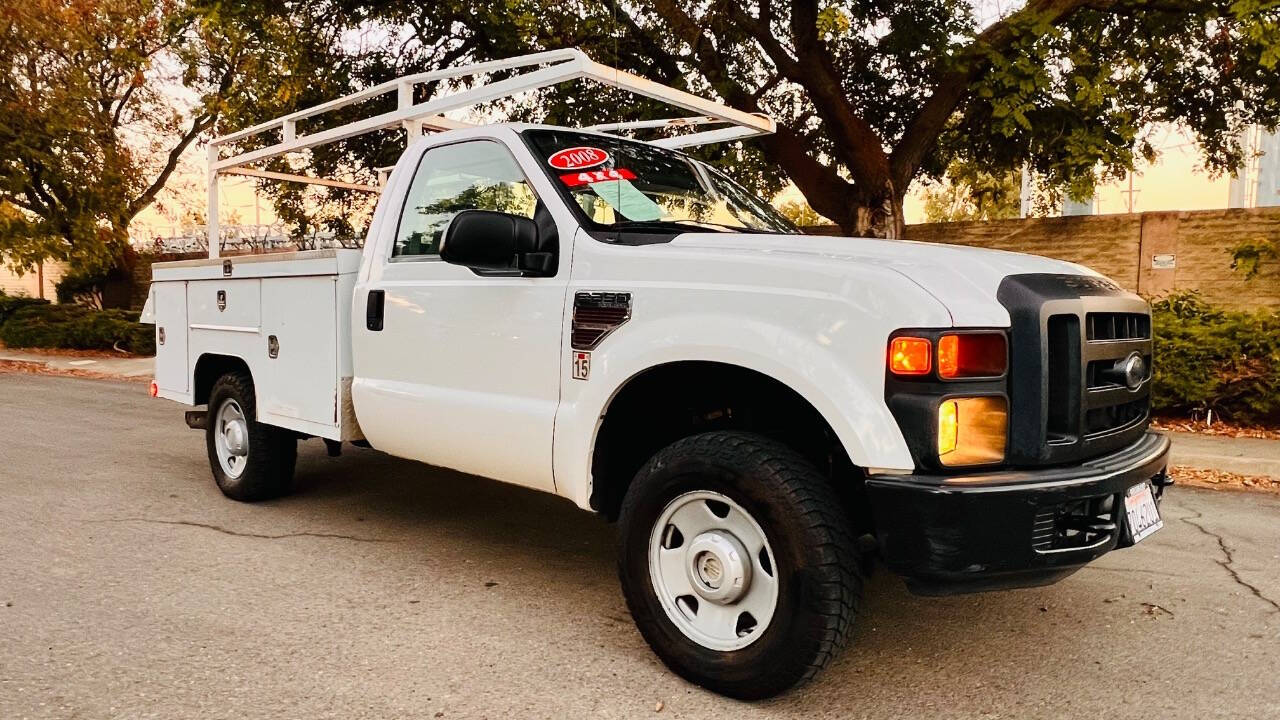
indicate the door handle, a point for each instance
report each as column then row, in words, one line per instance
column 373, row 309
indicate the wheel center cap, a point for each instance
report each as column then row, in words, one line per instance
column 234, row 433
column 718, row 566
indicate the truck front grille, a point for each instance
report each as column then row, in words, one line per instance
column 1080, row 367
column 1103, row 326
column 1075, row 525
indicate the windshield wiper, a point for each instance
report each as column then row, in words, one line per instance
column 669, row 224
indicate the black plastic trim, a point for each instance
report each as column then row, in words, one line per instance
column 950, row 535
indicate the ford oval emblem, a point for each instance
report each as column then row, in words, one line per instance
column 1135, row 371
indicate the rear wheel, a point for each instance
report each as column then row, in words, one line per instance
column 737, row 563
column 251, row 461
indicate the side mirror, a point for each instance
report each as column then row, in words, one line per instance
column 488, row 240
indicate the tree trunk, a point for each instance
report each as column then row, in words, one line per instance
column 871, row 219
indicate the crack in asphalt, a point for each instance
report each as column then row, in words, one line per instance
column 239, row 533
column 1228, row 563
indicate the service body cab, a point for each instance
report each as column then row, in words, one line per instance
column 625, row 326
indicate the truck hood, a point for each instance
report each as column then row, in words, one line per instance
column 964, row 279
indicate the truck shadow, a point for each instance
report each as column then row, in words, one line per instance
column 901, row 643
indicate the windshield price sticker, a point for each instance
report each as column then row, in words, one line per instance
column 578, row 158
column 596, row 176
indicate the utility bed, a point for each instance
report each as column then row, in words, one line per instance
column 287, row 315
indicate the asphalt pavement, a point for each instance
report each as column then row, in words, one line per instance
column 130, row 588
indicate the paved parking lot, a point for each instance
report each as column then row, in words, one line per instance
column 129, row 588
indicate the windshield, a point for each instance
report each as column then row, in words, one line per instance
column 621, row 184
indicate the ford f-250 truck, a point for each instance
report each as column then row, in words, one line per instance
column 621, row 324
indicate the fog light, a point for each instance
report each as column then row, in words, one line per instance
column 947, row 427
column 972, row 431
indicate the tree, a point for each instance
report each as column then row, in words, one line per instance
column 969, row 193
column 99, row 99
column 801, row 215
column 871, row 96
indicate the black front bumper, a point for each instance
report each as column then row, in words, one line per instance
column 1012, row 528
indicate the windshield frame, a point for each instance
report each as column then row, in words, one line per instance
column 645, row 233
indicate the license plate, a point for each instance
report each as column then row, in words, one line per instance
column 1141, row 511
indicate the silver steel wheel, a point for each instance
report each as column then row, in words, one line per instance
column 231, row 438
column 713, row 570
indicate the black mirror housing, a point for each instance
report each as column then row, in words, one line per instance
column 488, row 240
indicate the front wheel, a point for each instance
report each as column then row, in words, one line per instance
column 737, row 563
column 251, row 461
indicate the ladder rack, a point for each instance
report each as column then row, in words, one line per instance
column 428, row 116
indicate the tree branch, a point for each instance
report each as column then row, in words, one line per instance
column 927, row 123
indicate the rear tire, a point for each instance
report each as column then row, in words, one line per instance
column 736, row 492
column 251, row 461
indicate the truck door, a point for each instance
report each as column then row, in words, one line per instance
column 461, row 368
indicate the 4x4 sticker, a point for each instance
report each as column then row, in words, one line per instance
column 578, row 158
column 588, row 177
column 581, row 365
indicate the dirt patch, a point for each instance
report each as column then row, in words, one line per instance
column 62, row 352
column 1218, row 427
column 1219, row 480
column 39, row 368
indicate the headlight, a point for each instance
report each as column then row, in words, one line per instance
column 972, row 430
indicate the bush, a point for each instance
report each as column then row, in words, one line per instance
column 78, row 328
column 1212, row 359
column 9, row 304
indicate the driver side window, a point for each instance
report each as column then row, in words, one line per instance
column 473, row 175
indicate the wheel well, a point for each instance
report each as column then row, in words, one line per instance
column 676, row 400
column 209, row 368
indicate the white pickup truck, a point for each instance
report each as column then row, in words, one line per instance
column 618, row 323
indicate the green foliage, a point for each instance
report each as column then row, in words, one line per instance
column 99, row 286
column 93, row 123
column 41, row 325
column 9, row 304
column 1249, row 256
column 1211, row 359
column 971, row 193
column 33, row 322
column 801, row 214
column 869, row 95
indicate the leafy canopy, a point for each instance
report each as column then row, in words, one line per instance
column 99, row 99
column 871, row 96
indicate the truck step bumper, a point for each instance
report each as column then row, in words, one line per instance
column 1012, row 528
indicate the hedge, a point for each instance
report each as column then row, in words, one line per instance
column 1212, row 359
column 29, row 323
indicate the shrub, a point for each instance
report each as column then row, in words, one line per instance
column 9, row 304
column 1212, row 359
column 79, row 328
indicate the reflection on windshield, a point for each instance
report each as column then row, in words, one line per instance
column 623, row 184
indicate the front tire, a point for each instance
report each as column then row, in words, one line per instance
column 737, row 563
column 251, row 461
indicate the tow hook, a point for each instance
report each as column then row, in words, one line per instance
column 197, row 419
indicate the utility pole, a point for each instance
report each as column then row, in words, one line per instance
column 1131, row 193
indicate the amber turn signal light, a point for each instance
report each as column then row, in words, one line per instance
column 971, row 355
column 910, row 356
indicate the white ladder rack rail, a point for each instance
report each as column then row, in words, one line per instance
column 417, row 118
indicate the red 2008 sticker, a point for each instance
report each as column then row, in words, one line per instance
column 578, row 158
